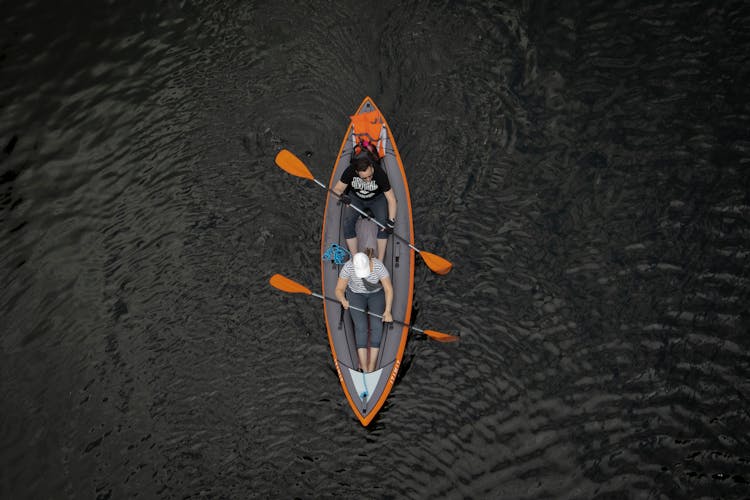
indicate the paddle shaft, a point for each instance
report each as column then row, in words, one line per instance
column 367, row 312
column 364, row 214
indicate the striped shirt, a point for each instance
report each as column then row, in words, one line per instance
column 369, row 284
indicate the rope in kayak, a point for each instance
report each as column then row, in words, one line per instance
column 336, row 254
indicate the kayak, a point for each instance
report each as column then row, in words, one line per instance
column 367, row 392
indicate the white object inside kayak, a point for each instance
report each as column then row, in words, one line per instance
column 365, row 383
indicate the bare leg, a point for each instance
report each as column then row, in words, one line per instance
column 362, row 355
column 352, row 244
column 373, row 359
column 381, row 249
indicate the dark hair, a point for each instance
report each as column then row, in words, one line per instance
column 361, row 164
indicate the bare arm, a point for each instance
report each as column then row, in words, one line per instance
column 388, row 289
column 339, row 188
column 392, row 205
column 340, row 291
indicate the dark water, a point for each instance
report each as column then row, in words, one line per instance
column 584, row 166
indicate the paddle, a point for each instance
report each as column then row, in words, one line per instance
column 293, row 165
column 287, row 285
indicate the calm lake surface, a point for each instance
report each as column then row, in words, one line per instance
column 584, row 165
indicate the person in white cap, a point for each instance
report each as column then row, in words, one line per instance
column 364, row 283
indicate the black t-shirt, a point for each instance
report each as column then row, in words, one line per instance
column 366, row 189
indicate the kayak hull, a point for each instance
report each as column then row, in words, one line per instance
column 366, row 393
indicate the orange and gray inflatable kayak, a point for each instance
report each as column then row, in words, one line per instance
column 367, row 392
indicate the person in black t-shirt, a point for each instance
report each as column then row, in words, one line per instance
column 366, row 185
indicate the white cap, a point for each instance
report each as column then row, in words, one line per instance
column 361, row 265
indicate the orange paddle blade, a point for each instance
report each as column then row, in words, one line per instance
column 435, row 262
column 286, row 285
column 293, row 165
column 440, row 337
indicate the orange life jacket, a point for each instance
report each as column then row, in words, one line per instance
column 367, row 131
